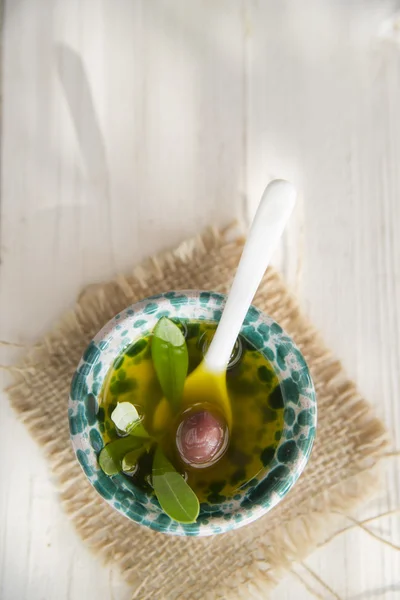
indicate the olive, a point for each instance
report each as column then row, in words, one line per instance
column 201, row 438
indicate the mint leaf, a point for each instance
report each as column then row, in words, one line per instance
column 176, row 497
column 170, row 359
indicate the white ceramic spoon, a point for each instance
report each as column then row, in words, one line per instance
column 208, row 380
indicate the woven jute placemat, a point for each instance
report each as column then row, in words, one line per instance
column 241, row 564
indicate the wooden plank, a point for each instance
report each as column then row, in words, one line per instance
column 323, row 96
column 122, row 135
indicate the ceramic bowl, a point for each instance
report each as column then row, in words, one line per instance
column 290, row 456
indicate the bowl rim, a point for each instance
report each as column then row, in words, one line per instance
column 293, row 449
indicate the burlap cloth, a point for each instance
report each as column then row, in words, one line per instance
column 241, row 564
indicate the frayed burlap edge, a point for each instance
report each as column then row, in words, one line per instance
column 309, row 515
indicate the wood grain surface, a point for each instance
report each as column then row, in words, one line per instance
column 130, row 125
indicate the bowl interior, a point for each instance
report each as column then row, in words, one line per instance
column 268, row 487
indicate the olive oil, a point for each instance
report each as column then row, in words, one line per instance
column 257, row 413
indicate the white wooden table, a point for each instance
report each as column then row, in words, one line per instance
column 129, row 125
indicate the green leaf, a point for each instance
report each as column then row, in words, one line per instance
column 127, row 419
column 130, row 460
column 170, row 359
column 124, row 415
column 111, row 456
column 137, row 430
column 176, row 497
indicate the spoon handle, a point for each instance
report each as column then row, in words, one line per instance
column 273, row 212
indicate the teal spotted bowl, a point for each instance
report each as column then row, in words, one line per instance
column 271, row 485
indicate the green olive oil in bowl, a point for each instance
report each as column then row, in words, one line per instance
column 131, row 433
column 257, row 409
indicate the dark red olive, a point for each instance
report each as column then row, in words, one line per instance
column 201, row 439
